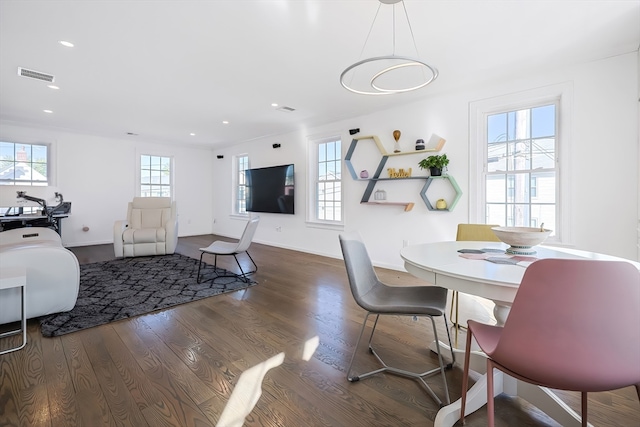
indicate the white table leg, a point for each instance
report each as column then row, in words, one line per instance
column 541, row 397
column 476, row 398
column 548, row 402
column 477, row 395
column 501, row 312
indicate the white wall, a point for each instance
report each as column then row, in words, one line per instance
column 605, row 156
column 97, row 174
column 603, row 197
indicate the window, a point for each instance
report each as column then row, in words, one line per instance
column 519, row 150
column 520, row 167
column 326, row 178
column 240, row 203
column 155, row 176
column 534, row 186
column 24, row 164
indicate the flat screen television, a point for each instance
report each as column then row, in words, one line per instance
column 270, row 189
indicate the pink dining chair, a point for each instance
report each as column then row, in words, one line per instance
column 559, row 333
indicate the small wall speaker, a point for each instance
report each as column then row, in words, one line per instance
column 220, row 156
column 354, row 131
column 276, row 146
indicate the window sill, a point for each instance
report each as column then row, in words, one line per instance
column 325, row 225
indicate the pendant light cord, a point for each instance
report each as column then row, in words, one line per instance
column 413, row 38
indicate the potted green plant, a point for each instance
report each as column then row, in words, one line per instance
column 435, row 164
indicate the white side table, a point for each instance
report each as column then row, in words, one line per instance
column 16, row 277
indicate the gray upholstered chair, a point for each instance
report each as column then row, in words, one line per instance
column 378, row 299
column 220, row 247
column 151, row 228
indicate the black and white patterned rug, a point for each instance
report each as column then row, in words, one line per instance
column 126, row 287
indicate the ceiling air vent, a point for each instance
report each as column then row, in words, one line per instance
column 286, row 109
column 35, row 75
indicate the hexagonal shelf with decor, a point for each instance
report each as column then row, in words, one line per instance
column 436, row 144
column 451, row 180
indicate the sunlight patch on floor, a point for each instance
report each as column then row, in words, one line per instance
column 247, row 392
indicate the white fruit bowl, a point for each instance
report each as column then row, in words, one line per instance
column 521, row 239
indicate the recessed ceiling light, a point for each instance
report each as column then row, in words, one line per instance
column 65, row 43
column 225, row 122
column 53, row 87
column 274, row 105
column 192, row 134
column 48, row 111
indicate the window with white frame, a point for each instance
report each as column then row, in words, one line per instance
column 519, row 150
column 520, row 171
column 325, row 170
column 155, row 176
column 241, row 164
column 24, row 164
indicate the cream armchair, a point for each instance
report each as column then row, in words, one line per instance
column 151, row 228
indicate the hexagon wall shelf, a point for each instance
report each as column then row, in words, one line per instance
column 435, row 143
column 454, row 185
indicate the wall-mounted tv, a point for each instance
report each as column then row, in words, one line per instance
column 270, row 189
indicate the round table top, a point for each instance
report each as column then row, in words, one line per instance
column 440, row 263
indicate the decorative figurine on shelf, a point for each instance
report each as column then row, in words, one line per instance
column 441, row 204
column 396, row 145
column 364, row 174
column 380, row 195
column 393, row 173
column 419, row 144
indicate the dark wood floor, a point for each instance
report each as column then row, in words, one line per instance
column 181, row 367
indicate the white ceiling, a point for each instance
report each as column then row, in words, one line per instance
column 164, row 69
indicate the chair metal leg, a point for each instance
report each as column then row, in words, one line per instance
column 386, row 368
column 456, row 322
column 584, row 409
column 453, row 353
column 375, row 323
column 454, row 297
column 255, row 266
column 465, row 378
column 490, row 413
column 242, row 276
column 239, row 266
column 355, row 350
column 455, row 304
column 199, row 265
column 441, row 363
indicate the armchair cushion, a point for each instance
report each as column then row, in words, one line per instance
column 144, row 235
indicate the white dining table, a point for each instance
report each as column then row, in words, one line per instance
column 441, row 264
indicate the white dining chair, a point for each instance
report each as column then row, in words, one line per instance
column 219, row 248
